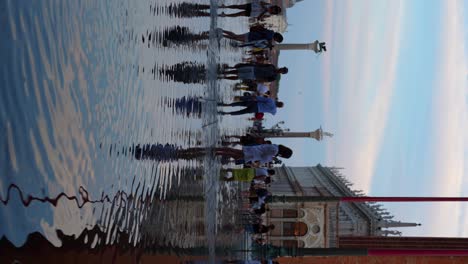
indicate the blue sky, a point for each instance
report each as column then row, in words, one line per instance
column 393, row 90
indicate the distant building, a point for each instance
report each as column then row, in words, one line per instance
column 320, row 224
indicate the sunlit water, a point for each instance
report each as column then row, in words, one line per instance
column 84, row 84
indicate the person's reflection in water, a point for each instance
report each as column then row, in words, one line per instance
column 181, row 35
column 188, row 72
column 164, row 152
column 158, row 152
column 185, row 72
column 189, row 105
column 188, row 10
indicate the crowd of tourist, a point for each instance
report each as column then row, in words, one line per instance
column 257, row 156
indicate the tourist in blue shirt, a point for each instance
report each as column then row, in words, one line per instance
column 254, row 104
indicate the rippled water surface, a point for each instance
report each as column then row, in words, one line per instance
column 86, row 88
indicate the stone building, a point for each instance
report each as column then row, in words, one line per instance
column 310, row 224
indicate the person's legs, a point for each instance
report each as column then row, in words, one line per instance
column 230, row 152
column 247, row 110
column 244, row 6
column 201, row 6
column 235, row 143
column 230, row 71
column 233, row 77
column 238, row 14
column 230, row 143
column 241, row 103
column 247, row 98
column 233, row 136
column 237, row 37
column 232, row 35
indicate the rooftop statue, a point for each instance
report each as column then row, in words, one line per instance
column 322, row 47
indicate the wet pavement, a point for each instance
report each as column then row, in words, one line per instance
column 84, row 85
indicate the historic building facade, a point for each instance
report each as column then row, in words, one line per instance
column 320, row 224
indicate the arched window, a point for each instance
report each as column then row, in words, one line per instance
column 294, row 229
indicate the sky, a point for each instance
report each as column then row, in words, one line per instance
column 392, row 87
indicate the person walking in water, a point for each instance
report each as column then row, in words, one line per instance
column 254, row 104
column 257, row 9
column 254, row 72
column 252, row 155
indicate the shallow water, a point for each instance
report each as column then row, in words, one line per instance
column 86, row 83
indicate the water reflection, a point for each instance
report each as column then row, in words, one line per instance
column 181, row 35
column 185, row 72
column 85, row 84
column 189, row 72
column 28, row 199
column 183, row 9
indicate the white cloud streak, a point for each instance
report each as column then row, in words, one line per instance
column 449, row 125
column 359, row 74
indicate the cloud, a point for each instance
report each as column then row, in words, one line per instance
column 328, row 37
column 450, row 120
column 359, row 76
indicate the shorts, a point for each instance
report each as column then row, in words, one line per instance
column 248, row 10
column 246, row 72
column 246, row 37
